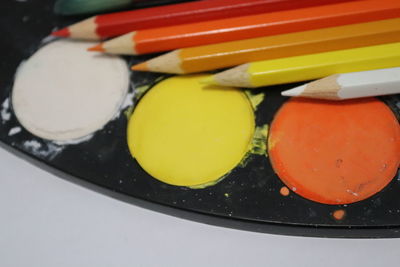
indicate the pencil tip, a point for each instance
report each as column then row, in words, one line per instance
column 208, row 81
column 297, row 91
column 286, row 93
column 97, row 48
column 140, row 67
column 61, row 33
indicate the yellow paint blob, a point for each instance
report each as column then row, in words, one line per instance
column 185, row 133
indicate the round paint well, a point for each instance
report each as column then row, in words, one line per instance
column 335, row 152
column 64, row 93
column 187, row 134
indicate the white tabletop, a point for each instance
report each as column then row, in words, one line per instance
column 47, row 221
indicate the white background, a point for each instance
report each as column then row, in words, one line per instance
column 47, row 221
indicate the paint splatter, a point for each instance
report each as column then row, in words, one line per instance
column 32, row 145
column 128, row 101
column 42, row 150
column 14, row 131
column 259, row 146
column 141, row 90
column 255, row 100
column 339, row 214
column 284, row 191
column 5, row 112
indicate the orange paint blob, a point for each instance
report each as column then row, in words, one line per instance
column 338, row 214
column 335, row 152
column 284, row 191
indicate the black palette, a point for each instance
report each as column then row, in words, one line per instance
column 248, row 198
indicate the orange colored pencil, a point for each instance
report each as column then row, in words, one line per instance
column 217, row 31
column 228, row 54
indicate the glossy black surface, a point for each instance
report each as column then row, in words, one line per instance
column 248, row 198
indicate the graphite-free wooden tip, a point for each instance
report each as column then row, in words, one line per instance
column 96, row 48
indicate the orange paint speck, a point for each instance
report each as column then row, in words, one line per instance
column 335, row 152
column 284, row 191
column 339, row 214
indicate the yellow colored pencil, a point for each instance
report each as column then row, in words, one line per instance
column 309, row 67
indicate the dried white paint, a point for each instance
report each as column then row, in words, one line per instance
column 63, row 93
column 14, row 131
column 32, row 144
column 5, row 110
column 48, row 150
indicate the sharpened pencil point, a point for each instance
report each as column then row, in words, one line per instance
column 140, row 67
column 97, row 48
column 208, row 81
column 61, row 33
column 294, row 91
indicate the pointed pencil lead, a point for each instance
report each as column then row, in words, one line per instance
column 140, row 67
column 97, row 48
column 61, row 33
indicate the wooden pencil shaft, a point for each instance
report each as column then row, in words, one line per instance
column 217, row 31
column 369, row 83
column 319, row 65
column 110, row 25
column 228, row 54
column 351, row 85
column 313, row 66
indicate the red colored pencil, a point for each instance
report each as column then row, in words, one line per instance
column 239, row 28
column 114, row 24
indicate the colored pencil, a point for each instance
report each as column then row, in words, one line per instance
column 79, row 7
column 228, row 54
column 110, row 25
column 308, row 67
column 351, row 85
column 266, row 24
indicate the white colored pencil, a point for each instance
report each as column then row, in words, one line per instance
column 351, row 85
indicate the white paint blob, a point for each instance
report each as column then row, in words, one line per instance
column 64, row 93
column 14, row 131
column 5, row 112
column 46, row 150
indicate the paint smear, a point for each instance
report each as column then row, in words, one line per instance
column 184, row 133
column 335, row 152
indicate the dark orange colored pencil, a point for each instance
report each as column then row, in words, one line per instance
column 266, row 24
column 229, row 54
